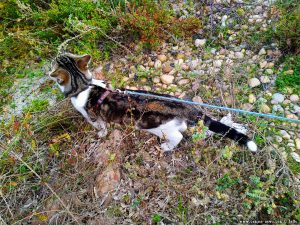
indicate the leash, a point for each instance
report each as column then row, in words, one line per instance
column 271, row 116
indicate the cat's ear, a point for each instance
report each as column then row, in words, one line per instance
column 83, row 62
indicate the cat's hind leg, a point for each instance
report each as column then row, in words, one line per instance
column 171, row 132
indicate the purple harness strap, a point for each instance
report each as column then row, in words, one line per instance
column 103, row 96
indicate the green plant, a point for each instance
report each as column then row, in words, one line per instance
column 153, row 22
column 37, row 105
column 226, row 182
column 156, row 218
column 290, row 75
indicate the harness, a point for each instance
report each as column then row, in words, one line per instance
column 106, row 93
column 103, row 96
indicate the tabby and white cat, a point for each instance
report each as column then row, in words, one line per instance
column 166, row 119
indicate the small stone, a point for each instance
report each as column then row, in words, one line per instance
column 244, row 27
column 162, row 58
column 151, row 64
column 197, row 99
column 200, row 42
column 253, row 82
column 183, row 82
column 278, row 139
column 247, row 106
column 193, row 64
column 251, row 98
column 263, row 64
column 289, row 72
column 294, row 98
column 167, row 68
column 264, row 108
column 157, row 64
column 156, row 80
column 285, row 135
column 278, row 98
column 270, row 65
column 297, row 109
column 180, row 56
column 167, row 79
column 295, row 156
column 269, row 71
column 297, row 142
column 185, row 67
column 265, row 79
column 262, row 52
column 239, row 55
column 217, row 63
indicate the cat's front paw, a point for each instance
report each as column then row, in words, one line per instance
column 166, row 147
column 102, row 133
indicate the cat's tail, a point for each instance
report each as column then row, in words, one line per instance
column 229, row 132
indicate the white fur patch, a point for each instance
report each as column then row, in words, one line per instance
column 252, row 146
column 99, row 83
column 80, row 101
column 171, row 131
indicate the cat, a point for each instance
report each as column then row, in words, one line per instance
column 99, row 105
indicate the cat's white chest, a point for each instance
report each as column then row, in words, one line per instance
column 79, row 102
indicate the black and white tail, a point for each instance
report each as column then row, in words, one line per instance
column 229, row 132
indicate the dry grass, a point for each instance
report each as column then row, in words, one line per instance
column 184, row 187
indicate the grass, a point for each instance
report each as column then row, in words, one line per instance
column 289, row 77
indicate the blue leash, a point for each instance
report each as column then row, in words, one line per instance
column 271, row 116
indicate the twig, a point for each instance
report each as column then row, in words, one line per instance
column 62, row 45
column 7, row 205
column 47, row 185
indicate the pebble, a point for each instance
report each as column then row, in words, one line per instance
column 265, row 79
column 247, row 106
column 162, row 58
column 167, row 68
column 180, row 56
column 297, row 109
column 185, row 67
column 297, row 142
column 251, row 98
column 278, row 139
column 167, row 79
column 294, row 98
column 262, row 52
column 183, row 82
column 217, row 63
column 285, row 135
column 239, row 55
column 200, row 42
column 156, row 80
column 269, row 71
column 295, row 156
column 263, row 64
column 157, row 64
column 277, row 108
column 277, row 98
column 264, row 108
column 197, row 99
column 253, row 82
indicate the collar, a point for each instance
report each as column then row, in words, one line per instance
column 102, row 97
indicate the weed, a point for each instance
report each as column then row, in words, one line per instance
column 37, row 105
column 289, row 77
column 156, row 218
column 226, row 182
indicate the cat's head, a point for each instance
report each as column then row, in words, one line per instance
column 71, row 73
